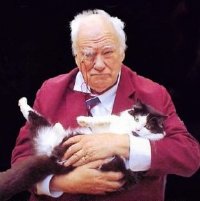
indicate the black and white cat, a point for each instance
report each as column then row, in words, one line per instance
column 141, row 121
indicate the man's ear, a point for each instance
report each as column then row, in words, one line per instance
column 122, row 56
column 76, row 60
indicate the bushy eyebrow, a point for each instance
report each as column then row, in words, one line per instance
column 109, row 47
column 88, row 51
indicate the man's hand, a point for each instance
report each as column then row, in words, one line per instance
column 87, row 179
column 87, row 148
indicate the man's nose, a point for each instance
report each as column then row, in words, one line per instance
column 99, row 64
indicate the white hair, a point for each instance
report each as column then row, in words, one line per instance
column 117, row 23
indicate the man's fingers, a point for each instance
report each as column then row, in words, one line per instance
column 73, row 140
column 80, row 162
column 114, row 176
column 113, row 186
column 94, row 164
column 74, row 158
column 73, row 149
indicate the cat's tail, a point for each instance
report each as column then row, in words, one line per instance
column 25, row 174
column 24, row 107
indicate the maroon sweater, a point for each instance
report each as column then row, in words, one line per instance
column 178, row 153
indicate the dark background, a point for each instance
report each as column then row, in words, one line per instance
column 163, row 44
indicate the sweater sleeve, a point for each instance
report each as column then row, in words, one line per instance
column 178, row 152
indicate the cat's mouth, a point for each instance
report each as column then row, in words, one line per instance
column 135, row 134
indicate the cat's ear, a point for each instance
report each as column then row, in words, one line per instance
column 140, row 107
column 155, row 112
column 160, row 118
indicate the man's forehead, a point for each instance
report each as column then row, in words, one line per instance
column 97, row 39
column 97, row 33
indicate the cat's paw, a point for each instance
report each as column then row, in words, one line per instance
column 22, row 101
column 24, row 107
column 84, row 121
column 157, row 136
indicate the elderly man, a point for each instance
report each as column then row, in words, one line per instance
column 98, row 44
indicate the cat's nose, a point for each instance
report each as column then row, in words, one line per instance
column 137, row 129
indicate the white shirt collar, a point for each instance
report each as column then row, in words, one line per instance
column 80, row 84
column 107, row 98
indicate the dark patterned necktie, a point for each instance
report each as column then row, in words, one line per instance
column 91, row 102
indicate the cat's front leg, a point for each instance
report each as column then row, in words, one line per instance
column 157, row 136
column 86, row 121
column 24, row 107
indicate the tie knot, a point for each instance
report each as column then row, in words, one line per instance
column 91, row 102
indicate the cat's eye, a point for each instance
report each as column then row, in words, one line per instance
column 148, row 126
column 131, row 112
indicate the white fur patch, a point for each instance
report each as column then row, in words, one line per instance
column 48, row 138
column 24, row 107
column 145, row 133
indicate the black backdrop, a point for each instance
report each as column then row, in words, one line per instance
column 163, row 44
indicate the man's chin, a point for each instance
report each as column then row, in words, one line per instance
column 102, row 89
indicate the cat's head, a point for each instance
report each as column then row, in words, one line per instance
column 147, row 119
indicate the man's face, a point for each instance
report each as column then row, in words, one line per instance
column 99, row 57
